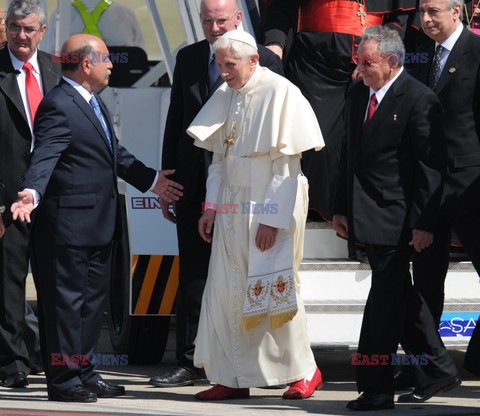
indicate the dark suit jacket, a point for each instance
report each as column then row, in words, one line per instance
column 15, row 136
column 391, row 177
column 189, row 93
column 459, row 92
column 2, row 194
column 75, row 171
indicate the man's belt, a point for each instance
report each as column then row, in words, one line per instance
column 337, row 16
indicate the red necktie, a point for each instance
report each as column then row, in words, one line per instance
column 371, row 110
column 34, row 95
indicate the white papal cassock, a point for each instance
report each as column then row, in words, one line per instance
column 274, row 125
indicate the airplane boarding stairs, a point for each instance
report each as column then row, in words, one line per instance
column 334, row 290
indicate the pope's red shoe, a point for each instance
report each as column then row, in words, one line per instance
column 219, row 392
column 302, row 389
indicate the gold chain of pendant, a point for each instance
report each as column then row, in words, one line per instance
column 475, row 11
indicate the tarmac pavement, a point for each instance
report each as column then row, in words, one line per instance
column 143, row 399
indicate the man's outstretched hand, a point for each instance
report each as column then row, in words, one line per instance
column 167, row 189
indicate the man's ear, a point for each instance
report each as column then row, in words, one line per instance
column 393, row 60
column 86, row 65
column 456, row 10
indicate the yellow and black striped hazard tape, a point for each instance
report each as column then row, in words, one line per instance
column 154, row 284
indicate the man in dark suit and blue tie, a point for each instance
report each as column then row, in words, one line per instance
column 195, row 79
column 387, row 198
column 73, row 177
column 453, row 72
column 456, row 81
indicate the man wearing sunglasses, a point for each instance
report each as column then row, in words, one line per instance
column 388, row 196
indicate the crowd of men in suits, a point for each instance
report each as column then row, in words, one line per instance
column 411, row 156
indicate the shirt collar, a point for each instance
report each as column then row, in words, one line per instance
column 81, row 90
column 450, row 42
column 252, row 82
column 18, row 64
column 382, row 91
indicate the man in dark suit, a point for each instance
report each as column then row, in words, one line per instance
column 458, row 88
column 195, row 78
column 73, row 175
column 456, row 81
column 388, row 196
column 25, row 28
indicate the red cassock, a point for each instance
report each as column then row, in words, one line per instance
column 321, row 38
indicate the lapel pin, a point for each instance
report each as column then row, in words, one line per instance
column 394, row 117
column 452, row 70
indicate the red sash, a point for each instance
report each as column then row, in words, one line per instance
column 337, row 16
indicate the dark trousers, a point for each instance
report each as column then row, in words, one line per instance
column 472, row 355
column 430, row 267
column 13, row 273
column 32, row 336
column 194, row 256
column 72, row 285
column 395, row 312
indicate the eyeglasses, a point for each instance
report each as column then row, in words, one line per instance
column 369, row 61
column 219, row 22
column 28, row 30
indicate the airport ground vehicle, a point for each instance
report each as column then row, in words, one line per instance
column 145, row 275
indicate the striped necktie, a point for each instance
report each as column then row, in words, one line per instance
column 98, row 112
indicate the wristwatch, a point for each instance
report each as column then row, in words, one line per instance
column 2, row 209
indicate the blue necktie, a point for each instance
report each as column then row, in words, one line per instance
column 213, row 73
column 435, row 72
column 96, row 107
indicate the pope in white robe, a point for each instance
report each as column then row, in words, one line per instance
column 252, row 330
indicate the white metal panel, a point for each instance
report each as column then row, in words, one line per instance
column 139, row 116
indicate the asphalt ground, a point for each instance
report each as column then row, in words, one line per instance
column 143, row 399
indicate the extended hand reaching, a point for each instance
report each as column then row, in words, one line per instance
column 167, row 189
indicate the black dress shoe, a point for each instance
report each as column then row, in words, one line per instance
column 403, row 381
column 103, row 388
column 371, row 401
column 18, row 379
column 180, row 377
column 76, row 393
column 420, row 395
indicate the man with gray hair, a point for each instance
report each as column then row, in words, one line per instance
column 252, row 330
column 452, row 72
column 387, row 199
column 26, row 74
column 195, row 79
